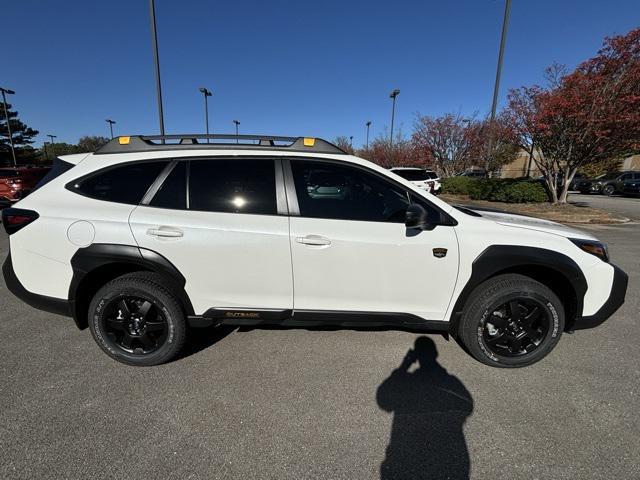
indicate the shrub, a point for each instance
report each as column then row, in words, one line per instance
column 458, row 185
column 509, row 191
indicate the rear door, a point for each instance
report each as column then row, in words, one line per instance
column 221, row 222
column 352, row 252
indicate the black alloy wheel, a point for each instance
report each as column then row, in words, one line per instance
column 517, row 327
column 135, row 325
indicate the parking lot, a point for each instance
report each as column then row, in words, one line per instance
column 332, row 404
column 628, row 207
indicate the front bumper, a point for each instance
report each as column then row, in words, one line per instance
column 613, row 303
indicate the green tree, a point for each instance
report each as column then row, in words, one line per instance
column 90, row 143
column 21, row 134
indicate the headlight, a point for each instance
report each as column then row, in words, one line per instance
column 594, row 248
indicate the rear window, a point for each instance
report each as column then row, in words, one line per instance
column 121, row 184
column 58, row 168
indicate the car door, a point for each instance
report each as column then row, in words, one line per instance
column 220, row 222
column 351, row 250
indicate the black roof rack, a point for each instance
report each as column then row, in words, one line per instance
column 150, row 143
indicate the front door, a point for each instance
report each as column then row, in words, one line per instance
column 217, row 221
column 352, row 252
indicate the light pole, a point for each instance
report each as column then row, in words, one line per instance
column 368, row 124
column 6, row 115
column 110, row 122
column 46, row 153
column 154, row 38
column 53, row 150
column 237, row 123
column 496, row 87
column 206, row 93
column 351, row 141
column 393, row 95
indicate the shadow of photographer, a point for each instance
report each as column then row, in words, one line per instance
column 429, row 409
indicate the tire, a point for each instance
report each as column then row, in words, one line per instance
column 136, row 320
column 537, row 324
column 608, row 190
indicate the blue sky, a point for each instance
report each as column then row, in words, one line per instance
column 283, row 67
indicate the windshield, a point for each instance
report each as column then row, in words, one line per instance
column 8, row 173
column 609, row 176
column 414, row 175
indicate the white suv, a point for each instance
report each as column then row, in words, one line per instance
column 146, row 238
column 426, row 179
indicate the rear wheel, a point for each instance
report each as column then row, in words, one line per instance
column 511, row 321
column 136, row 320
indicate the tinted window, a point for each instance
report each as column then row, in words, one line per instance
column 173, row 192
column 233, row 185
column 412, row 174
column 123, row 184
column 329, row 190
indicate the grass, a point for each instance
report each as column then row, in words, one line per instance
column 567, row 213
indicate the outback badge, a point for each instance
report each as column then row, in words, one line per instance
column 439, row 252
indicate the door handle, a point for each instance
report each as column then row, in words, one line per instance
column 165, row 232
column 313, row 240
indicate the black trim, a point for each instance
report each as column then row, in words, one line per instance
column 312, row 318
column 501, row 258
column 140, row 143
column 613, row 303
column 87, row 260
column 59, row 306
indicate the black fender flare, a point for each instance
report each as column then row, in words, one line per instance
column 97, row 255
column 497, row 259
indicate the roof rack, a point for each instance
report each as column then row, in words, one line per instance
column 150, row 143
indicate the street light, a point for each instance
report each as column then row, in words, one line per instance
column 496, row 87
column 154, row 38
column 110, row 122
column 6, row 115
column 393, row 95
column 237, row 123
column 351, row 141
column 206, row 93
column 368, row 124
column 52, row 145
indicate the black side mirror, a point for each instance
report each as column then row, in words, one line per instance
column 416, row 217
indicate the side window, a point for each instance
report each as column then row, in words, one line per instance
column 233, row 185
column 125, row 183
column 330, row 190
column 173, row 192
column 624, row 177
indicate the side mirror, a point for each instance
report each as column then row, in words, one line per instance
column 416, row 217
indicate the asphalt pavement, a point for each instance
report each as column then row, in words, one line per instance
column 628, row 207
column 298, row 404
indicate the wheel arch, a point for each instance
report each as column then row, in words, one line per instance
column 98, row 264
column 553, row 269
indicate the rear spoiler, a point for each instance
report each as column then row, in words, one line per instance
column 74, row 158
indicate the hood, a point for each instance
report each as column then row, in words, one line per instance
column 533, row 223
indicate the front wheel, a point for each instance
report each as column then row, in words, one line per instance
column 608, row 190
column 136, row 320
column 511, row 321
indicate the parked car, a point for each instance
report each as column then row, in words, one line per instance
column 16, row 183
column 577, row 178
column 631, row 187
column 426, row 179
column 145, row 239
column 607, row 184
column 473, row 174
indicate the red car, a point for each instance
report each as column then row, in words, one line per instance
column 17, row 182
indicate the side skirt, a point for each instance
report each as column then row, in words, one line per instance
column 315, row 318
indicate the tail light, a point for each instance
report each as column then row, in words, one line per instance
column 14, row 219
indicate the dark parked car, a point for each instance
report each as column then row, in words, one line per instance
column 16, row 183
column 577, row 178
column 631, row 187
column 607, row 184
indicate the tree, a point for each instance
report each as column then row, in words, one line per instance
column 588, row 116
column 400, row 153
column 21, row 134
column 91, row 143
column 344, row 143
column 447, row 140
column 496, row 142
